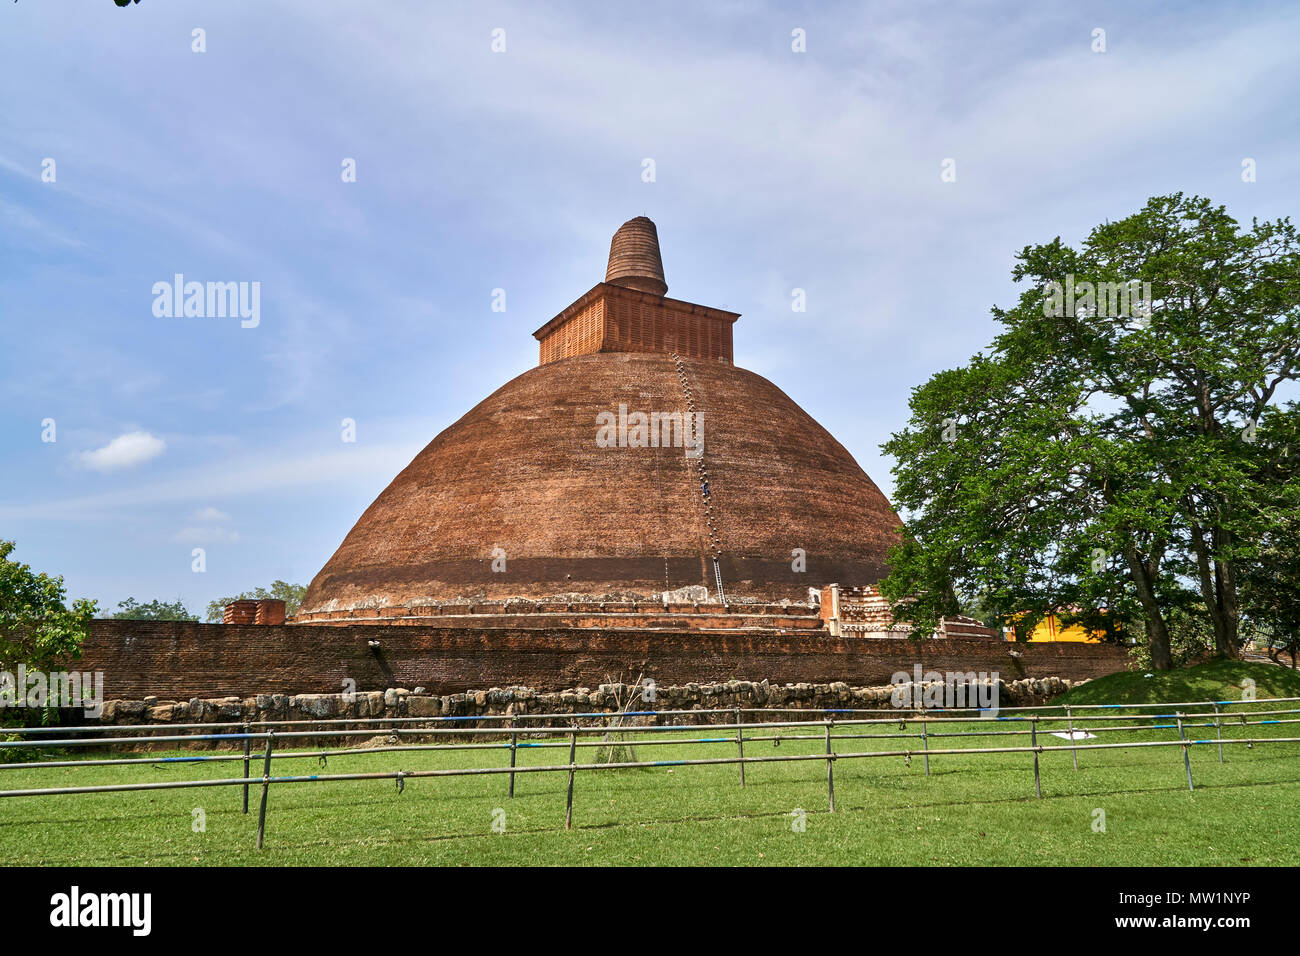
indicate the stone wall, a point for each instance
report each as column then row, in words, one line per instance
column 177, row 660
column 521, row 701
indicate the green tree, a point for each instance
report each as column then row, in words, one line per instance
column 1271, row 585
column 155, row 610
column 36, row 627
column 290, row 594
column 1105, row 454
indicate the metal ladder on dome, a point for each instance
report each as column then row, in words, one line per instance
column 715, row 543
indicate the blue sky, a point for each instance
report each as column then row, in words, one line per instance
column 479, row 170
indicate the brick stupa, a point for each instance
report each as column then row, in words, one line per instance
column 520, row 498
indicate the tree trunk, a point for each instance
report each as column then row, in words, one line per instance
column 1208, row 576
column 1218, row 581
column 1227, row 570
column 1157, row 629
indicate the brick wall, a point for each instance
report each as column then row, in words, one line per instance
column 610, row 318
column 642, row 323
column 580, row 333
column 179, row 660
column 588, row 615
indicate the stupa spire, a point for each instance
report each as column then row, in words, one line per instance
column 634, row 260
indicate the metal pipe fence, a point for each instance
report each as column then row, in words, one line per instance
column 605, row 714
column 555, row 734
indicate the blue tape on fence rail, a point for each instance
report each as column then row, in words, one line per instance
column 164, row 738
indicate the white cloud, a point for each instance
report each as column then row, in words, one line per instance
column 205, row 534
column 124, row 451
column 257, row 474
column 209, row 527
column 19, row 218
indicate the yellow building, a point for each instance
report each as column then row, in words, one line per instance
column 1050, row 629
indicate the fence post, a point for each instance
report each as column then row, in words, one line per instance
column 1187, row 760
column 740, row 745
column 514, row 737
column 1070, row 723
column 568, row 805
column 925, row 744
column 248, row 746
column 1033, row 736
column 1218, row 729
column 830, row 764
column 266, row 785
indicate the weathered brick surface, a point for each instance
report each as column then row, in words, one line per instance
column 612, row 319
column 522, row 472
column 240, row 612
column 584, row 615
column 176, row 660
column 270, row 611
column 522, row 477
column 634, row 259
column 629, row 313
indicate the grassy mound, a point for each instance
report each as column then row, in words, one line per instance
column 1214, row 680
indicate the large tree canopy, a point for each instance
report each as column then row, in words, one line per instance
column 36, row 628
column 1271, row 584
column 155, row 610
column 1116, row 451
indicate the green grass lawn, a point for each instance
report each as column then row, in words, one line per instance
column 973, row 809
column 1215, row 680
